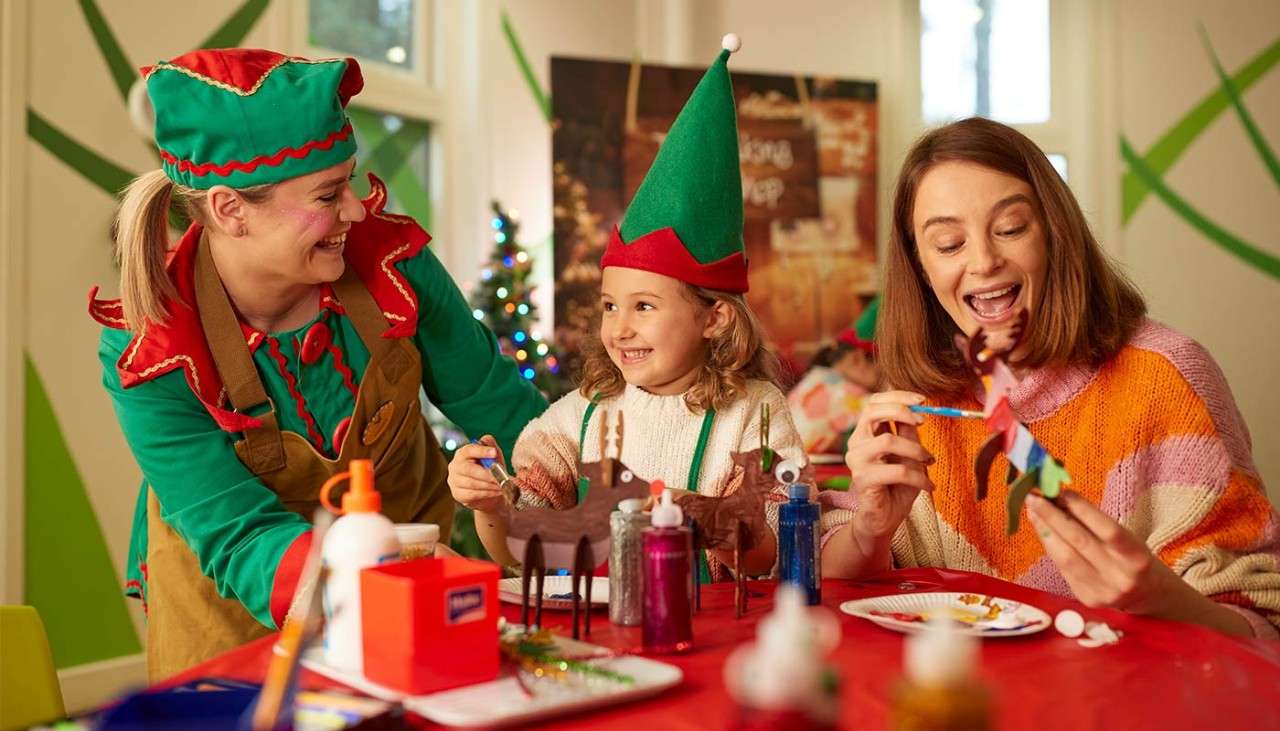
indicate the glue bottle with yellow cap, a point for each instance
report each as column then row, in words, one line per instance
column 941, row 690
column 361, row 538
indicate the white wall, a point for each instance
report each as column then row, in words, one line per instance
column 1136, row 68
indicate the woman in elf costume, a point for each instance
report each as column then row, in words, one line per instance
column 288, row 332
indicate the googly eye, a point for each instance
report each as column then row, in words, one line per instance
column 626, row 476
column 787, row 472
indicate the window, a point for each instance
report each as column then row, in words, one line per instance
column 986, row 58
column 380, row 30
column 393, row 116
column 1059, row 162
column 992, row 58
column 398, row 151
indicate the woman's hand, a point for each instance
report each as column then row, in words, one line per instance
column 1107, row 566
column 887, row 470
column 471, row 484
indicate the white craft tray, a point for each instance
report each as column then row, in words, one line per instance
column 501, row 702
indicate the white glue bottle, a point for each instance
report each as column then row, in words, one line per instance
column 785, row 680
column 361, row 538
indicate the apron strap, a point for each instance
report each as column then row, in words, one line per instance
column 583, row 482
column 695, row 467
column 235, row 365
column 370, row 324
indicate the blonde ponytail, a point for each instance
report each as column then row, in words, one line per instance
column 142, row 239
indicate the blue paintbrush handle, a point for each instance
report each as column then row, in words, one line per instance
column 946, row 411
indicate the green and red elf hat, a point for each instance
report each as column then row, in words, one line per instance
column 244, row 116
column 685, row 220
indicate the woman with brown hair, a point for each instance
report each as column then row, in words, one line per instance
column 1167, row 515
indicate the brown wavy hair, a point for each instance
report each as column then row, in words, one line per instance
column 1088, row 309
column 734, row 356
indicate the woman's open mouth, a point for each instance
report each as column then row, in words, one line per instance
column 996, row 304
column 333, row 243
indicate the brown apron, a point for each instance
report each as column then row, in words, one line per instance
column 188, row 622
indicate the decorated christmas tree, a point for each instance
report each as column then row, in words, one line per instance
column 580, row 241
column 503, row 300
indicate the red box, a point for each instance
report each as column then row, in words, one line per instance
column 430, row 624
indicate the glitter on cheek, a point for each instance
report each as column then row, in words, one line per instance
column 311, row 225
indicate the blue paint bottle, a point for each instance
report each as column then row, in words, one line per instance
column 799, row 553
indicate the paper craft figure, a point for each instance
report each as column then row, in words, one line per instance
column 573, row 538
column 1030, row 465
column 733, row 519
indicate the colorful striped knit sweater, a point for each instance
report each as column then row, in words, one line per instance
column 1154, row 438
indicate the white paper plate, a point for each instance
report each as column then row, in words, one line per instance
column 1013, row 618
column 555, row 591
column 501, row 702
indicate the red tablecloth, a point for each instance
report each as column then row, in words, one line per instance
column 1160, row 675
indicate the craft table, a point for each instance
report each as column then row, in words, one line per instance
column 1160, row 674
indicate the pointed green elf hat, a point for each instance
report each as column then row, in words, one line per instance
column 244, row 116
column 685, row 220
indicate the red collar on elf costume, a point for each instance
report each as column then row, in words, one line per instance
column 374, row 245
column 685, row 220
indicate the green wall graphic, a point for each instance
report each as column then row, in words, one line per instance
column 1145, row 173
column 66, row 566
column 69, row 574
column 67, row 569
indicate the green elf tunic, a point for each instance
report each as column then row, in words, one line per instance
column 178, row 422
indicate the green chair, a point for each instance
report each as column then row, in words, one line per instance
column 29, row 690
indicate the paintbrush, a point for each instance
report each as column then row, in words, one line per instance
column 276, row 698
column 947, row 411
column 510, row 488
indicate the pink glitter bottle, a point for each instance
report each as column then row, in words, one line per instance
column 667, row 624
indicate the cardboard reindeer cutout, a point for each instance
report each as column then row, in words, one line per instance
column 1030, row 465
column 574, row 538
column 732, row 520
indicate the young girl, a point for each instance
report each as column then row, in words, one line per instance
column 679, row 352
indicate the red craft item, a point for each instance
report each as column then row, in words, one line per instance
column 430, row 624
column 315, row 342
column 1001, row 417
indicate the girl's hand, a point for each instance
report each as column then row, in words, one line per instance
column 470, row 483
column 1107, row 566
column 887, row 470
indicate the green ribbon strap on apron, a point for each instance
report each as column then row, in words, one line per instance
column 583, row 482
column 695, row 467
